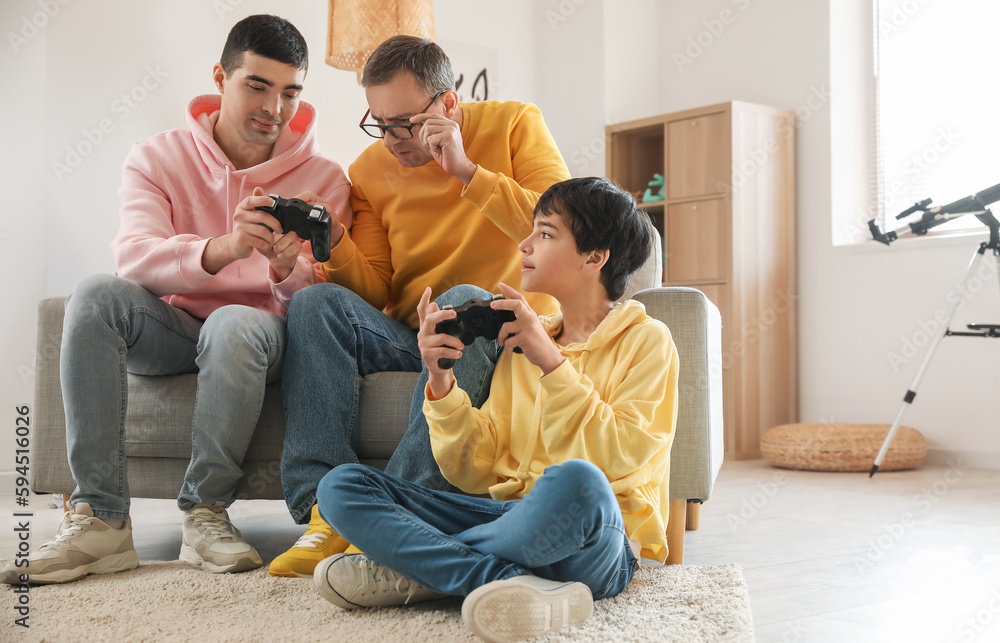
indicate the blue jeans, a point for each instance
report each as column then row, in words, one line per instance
column 112, row 326
column 334, row 336
column 569, row 528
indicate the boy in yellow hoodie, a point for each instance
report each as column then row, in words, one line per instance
column 572, row 445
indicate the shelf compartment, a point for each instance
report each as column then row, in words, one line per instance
column 696, row 241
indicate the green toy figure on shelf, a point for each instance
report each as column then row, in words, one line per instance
column 648, row 196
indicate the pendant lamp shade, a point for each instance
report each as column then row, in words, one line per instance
column 357, row 27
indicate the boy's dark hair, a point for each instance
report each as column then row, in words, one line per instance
column 419, row 56
column 268, row 36
column 602, row 216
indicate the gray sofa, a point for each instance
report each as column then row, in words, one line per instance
column 158, row 420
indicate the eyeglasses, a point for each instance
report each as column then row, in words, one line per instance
column 401, row 132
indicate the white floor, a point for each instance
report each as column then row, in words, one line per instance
column 904, row 556
column 838, row 557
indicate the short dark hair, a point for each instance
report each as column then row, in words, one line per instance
column 602, row 216
column 268, row 36
column 419, row 56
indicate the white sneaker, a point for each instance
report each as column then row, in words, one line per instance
column 524, row 607
column 83, row 545
column 211, row 542
column 350, row 581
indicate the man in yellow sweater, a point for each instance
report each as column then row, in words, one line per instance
column 442, row 200
column 572, row 446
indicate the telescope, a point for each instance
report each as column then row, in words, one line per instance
column 931, row 217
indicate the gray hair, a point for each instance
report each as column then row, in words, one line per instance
column 419, row 56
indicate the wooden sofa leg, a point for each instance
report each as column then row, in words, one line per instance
column 675, row 532
column 693, row 515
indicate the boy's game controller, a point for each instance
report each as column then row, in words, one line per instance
column 474, row 319
column 310, row 222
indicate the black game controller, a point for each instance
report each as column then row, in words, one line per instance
column 310, row 222
column 475, row 319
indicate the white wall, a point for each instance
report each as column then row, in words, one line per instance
column 601, row 66
column 587, row 63
column 570, row 79
column 23, row 226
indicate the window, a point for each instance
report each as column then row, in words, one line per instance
column 938, row 97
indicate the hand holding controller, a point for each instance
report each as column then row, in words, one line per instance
column 475, row 318
column 310, row 222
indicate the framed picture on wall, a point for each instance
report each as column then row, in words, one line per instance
column 475, row 71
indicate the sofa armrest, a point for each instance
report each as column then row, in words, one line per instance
column 696, row 327
column 49, row 468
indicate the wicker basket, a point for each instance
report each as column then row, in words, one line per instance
column 841, row 447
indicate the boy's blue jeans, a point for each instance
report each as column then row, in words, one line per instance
column 568, row 528
column 334, row 336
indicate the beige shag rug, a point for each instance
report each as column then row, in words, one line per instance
column 172, row 601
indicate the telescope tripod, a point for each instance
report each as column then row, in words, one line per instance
column 974, row 330
column 974, row 204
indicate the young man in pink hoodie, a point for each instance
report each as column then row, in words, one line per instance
column 202, row 287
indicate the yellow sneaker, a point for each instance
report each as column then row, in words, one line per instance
column 320, row 541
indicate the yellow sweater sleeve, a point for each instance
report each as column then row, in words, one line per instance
column 463, row 439
column 537, row 164
column 367, row 273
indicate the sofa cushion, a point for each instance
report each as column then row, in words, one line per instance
column 158, row 423
column 384, row 413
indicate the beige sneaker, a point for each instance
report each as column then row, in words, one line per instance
column 211, row 542
column 524, row 607
column 350, row 581
column 83, row 545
